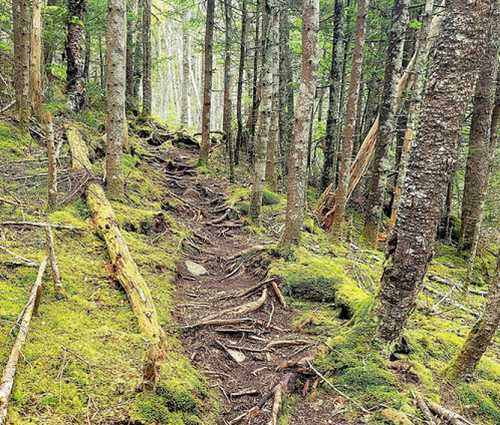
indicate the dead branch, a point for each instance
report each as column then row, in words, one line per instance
column 21, row 260
column 453, row 417
column 37, row 224
column 279, row 294
column 10, row 368
column 54, row 267
column 243, row 308
column 422, row 405
column 282, row 342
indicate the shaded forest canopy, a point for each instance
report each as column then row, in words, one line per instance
column 249, row 212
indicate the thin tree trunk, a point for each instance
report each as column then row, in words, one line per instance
column 286, row 111
column 272, row 145
column 131, row 40
column 227, row 104
column 451, row 80
column 21, row 25
column 239, row 95
column 480, row 150
column 102, row 67
column 116, row 123
column 350, row 120
column 36, row 58
column 207, row 83
column 297, row 172
column 48, row 126
column 265, row 105
column 387, row 118
column 483, row 332
column 146, row 58
column 75, row 57
column 88, row 54
column 138, row 52
column 185, row 74
column 332, row 118
column 255, row 92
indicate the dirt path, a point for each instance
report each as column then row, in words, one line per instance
column 239, row 342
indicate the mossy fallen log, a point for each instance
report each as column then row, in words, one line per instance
column 123, row 267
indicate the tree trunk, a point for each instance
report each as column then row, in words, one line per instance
column 286, row 107
column 21, row 25
column 272, row 145
column 48, row 127
column 239, row 95
column 207, row 83
column 131, row 26
column 36, row 58
column 483, row 332
column 265, row 104
column 387, row 119
column 227, row 104
column 480, row 151
column 332, row 118
column 146, row 58
column 185, row 74
column 88, row 54
column 116, row 123
column 422, row 50
column 75, row 57
column 350, row 120
column 297, row 172
column 138, row 53
column 451, row 78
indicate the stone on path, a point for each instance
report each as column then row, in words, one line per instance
column 195, row 269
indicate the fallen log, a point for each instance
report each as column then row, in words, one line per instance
column 424, row 408
column 452, row 417
column 9, row 372
column 123, row 267
column 36, row 224
column 54, row 267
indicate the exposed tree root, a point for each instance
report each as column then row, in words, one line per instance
column 241, row 309
column 10, row 369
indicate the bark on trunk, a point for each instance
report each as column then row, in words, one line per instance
column 332, row 118
column 480, row 151
column 207, row 83
column 36, row 58
column 272, row 145
column 387, row 120
column 239, row 95
column 131, row 25
column 350, row 120
column 450, row 85
column 146, row 58
column 265, row 105
column 75, row 57
column 123, row 267
column 227, row 104
column 286, row 107
column 9, row 372
column 116, row 123
column 297, row 172
column 483, row 332
column 185, row 74
column 21, row 25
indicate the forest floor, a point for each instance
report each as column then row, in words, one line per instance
column 236, row 330
column 188, row 231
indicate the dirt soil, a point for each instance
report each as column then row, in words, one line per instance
column 242, row 354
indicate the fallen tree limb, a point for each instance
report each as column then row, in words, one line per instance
column 453, row 417
column 422, row 405
column 37, row 224
column 123, row 267
column 9, row 372
column 21, row 260
column 54, row 267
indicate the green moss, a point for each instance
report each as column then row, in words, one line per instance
column 14, row 143
column 481, row 399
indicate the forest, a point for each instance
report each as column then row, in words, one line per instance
column 255, row 212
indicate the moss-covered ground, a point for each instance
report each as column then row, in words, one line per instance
column 334, row 288
column 83, row 359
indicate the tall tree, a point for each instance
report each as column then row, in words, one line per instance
column 451, row 79
column 333, row 95
column 207, row 83
column 297, row 172
column 75, row 56
column 387, row 117
column 286, row 106
column 350, row 119
column 482, row 333
column 252, row 121
column 185, row 72
column 146, row 57
column 116, row 123
column 265, row 106
column 131, row 40
column 36, row 58
column 227, row 104
column 20, row 15
column 480, row 149
column 239, row 95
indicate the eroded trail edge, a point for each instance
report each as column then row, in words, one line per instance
column 235, row 325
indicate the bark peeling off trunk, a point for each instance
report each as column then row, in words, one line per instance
column 451, row 78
